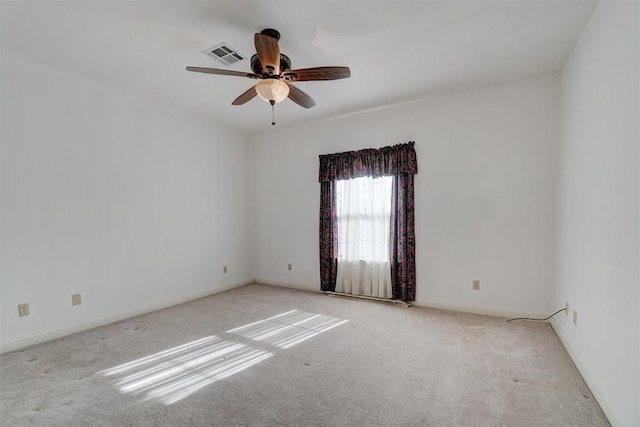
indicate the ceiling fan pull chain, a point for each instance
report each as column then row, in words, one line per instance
column 273, row 114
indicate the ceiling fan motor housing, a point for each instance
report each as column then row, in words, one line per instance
column 256, row 66
column 274, row 34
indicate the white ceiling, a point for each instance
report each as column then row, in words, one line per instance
column 398, row 51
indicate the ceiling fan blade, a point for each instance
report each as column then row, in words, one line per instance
column 246, row 96
column 223, row 72
column 268, row 53
column 317, row 73
column 299, row 97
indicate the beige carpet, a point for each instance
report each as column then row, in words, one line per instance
column 262, row 355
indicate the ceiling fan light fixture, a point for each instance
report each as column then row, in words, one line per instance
column 272, row 90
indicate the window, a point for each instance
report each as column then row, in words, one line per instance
column 382, row 262
column 364, row 216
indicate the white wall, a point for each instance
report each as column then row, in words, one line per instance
column 133, row 205
column 597, row 223
column 484, row 194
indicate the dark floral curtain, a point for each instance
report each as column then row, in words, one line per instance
column 398, row 161
column 328, row 236
column 394, row 160
column 403, row 241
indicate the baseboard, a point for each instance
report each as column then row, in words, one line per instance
column 286, row 285
column 396, row 302
column 17, row 345
column 458, row 308
column 481, row 310
column 609, row 412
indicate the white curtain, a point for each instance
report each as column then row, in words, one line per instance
column 364, row 218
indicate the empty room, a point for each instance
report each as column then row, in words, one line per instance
column 323, row 213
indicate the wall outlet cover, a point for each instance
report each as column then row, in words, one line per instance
column 75, row 299
column 23, row 309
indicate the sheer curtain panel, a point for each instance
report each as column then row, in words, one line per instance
column 364, row 218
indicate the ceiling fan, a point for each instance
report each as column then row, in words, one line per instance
column 273, row 69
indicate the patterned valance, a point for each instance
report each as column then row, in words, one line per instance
column 394, row 160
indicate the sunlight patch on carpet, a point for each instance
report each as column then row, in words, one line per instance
column 171, row 375
column 174, row 374
column 287, row 329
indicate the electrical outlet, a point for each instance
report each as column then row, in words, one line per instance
column 224, row 269
column 566, row 308
column 75, row 299
column 290, row 266
column 476, row 285
column 575, row 317
column 23, row 309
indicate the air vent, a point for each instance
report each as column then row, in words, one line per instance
column 224, row 53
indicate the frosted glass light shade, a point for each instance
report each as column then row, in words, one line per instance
column 272, row 90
